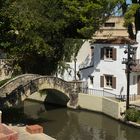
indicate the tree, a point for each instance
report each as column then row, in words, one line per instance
column 129, row 12
column 34, row 32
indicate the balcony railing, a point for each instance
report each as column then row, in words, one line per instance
column 135, row 68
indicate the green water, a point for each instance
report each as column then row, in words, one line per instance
column 65, row 124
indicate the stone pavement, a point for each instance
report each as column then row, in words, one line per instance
column 136, row 104
column 24, row 135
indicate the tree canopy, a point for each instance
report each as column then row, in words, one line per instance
column 131, row 19
column 34, row 33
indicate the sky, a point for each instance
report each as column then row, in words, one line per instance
column 119, row 13
column 128, row 1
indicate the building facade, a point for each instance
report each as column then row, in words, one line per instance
column 99, row 61
column 112, row 28
column 107, row 72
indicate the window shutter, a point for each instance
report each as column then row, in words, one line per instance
column 114, row 82
column 114, row 54
column 102, row 53
column 102, row 81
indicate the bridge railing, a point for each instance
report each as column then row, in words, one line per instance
column 32, row 85
column 22, row 90
column 15, row 82
column 103, row 93
column 92, row 91
column 73, row 86
column 97, row 92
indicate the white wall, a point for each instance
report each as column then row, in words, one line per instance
column 110, row 67
column 102, row 104
column 133, row 79
column 84, row 58
column 102, row 67
column 138, row 45
column 69, row 74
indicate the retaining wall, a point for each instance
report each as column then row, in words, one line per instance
column 101, row 104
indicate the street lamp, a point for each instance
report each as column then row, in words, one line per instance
column 75, row 68
column 130, row 62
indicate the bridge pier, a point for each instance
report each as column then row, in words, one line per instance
column 71, row 106
column 73, row 101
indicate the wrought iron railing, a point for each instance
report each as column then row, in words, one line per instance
column 103, row 93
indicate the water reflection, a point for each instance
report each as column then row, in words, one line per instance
column 65, row 124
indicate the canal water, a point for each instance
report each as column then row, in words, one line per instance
column 65, row 124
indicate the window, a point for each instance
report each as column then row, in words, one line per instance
column 108, row 53
column 109, row 24
column 108, row 81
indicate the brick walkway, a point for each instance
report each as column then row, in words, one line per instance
column 24, row 135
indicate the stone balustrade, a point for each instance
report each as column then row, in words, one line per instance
column 15, row 82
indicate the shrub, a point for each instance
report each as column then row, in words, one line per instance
column 132, row 115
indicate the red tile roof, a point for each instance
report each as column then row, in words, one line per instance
column 118, row 40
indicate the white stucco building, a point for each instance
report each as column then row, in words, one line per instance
column 107, row 71
column 99, row 62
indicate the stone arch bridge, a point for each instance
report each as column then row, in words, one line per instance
column 19, row 88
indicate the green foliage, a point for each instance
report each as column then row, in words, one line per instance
column 72, row 47
column 130, row 14
column 132, row 115
column 34, row 32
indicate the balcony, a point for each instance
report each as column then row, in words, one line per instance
column 137, row 67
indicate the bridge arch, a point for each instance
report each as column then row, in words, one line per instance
column 39, row 83
column 56, row 97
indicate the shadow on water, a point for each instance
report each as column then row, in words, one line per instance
column 17, row 116
column 49, row 106
column 65, row 124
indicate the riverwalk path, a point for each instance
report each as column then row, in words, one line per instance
column 24, row 135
